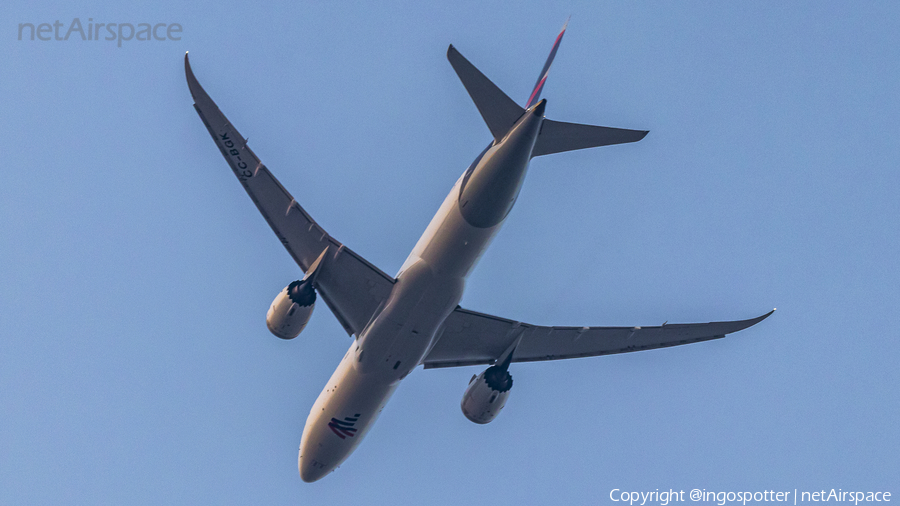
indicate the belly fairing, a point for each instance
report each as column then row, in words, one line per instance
column 403, row 332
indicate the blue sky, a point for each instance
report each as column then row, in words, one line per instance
column 135, row 365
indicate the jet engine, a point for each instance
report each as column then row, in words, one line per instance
column 291, row 309
column 487, row 393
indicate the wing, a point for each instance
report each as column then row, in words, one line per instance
column 352, row 287
column 471, row 338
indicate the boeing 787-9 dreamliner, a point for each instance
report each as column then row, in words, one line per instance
column 414, row 318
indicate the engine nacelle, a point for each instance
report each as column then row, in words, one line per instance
column 291, row 309
column 487, row 394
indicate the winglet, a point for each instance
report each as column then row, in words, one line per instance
column 189, row 74
column 197, row 91
column 741, row 325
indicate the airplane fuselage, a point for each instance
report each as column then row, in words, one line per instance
column 429, row 286
column 414, row 318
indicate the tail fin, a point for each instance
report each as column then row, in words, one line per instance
column 539, row 85
column 498, row 110
column 557, row 136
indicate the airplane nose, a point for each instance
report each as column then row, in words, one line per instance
column 310, row 469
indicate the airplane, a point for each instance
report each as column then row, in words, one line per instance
column 414, row 318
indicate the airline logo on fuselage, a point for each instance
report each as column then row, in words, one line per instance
column 344, row 428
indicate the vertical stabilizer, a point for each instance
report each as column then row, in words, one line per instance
column 539, row 85
column 500, row 112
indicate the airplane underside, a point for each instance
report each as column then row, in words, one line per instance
column 414, row 318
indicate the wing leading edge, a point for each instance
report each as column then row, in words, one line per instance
column 352, row 287
column 471, row 338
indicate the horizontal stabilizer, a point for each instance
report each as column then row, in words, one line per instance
column 557, row 136
column 498, row 110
